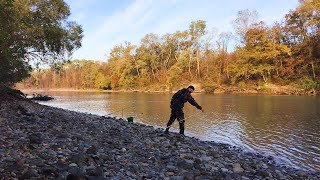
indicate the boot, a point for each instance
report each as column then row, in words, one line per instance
column 166, row 131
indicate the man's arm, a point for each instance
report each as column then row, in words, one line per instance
column 194, row 103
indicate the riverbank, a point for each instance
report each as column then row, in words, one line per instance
column 44, row 142
column 268, row 89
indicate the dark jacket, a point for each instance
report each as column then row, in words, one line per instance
column 181, row 97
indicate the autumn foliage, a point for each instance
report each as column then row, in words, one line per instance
column 285, row 53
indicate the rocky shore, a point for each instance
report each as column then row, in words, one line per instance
column 41, row 142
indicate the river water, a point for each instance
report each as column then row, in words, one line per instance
column 286, row 127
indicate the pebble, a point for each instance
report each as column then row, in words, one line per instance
column 169, row 173
column 206, row 158
column 237, row 168
column 224, row 170
column 73, row 165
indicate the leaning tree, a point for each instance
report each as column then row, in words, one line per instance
column 34, row 32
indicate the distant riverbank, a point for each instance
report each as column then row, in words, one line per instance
column 45, row 142
column 270, row 89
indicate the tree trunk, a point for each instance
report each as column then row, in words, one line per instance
column 313, row 71
column 207, row 64
column 264, row 77
column 167, row 61
column 137, row 69
column 227, row 67
column 220, row 72
column 198, row 64
column 153, row 74
column 189, row 64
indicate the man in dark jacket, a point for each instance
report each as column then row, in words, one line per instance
column 177, row 104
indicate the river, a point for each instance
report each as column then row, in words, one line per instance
column 285, row 127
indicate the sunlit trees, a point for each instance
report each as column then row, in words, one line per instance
column 261, row 52
column 302, row 33
column 285, row 52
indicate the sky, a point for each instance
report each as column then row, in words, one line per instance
column 107, row 23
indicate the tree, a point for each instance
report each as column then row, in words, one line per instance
column 261, row 51
column 302, row 32
column 34, row 31
column 149, row 52
column 222, row 43
column 197, row 29
column 244, row 21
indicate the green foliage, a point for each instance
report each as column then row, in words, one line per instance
column 209, row 88
column 242, row 84
column 37, row 31
column 174, row 74
column 264, row 88
column 261, row 53
column 259, row 47
column 127, row 82
column 239, row 71
column 308, row 83
column 281, row 81
column 101, row 82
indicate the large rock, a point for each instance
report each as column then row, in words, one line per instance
column 35, row 138
column 185, row 164
column 237, row 168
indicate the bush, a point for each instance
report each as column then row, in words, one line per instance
column 264, row 88
column 242, row 84
column 227, row 81
column 281, row 81
column 209, row 88
column 307, row 83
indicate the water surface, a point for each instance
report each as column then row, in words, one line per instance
column 286, row 127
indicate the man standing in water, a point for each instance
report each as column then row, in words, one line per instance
column 177, row 104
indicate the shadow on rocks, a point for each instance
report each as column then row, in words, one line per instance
column 81, row 177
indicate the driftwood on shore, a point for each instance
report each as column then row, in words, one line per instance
column 42, row 142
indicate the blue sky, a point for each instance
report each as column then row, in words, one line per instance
column 107, row 23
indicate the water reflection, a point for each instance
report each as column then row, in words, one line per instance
column 286, row 127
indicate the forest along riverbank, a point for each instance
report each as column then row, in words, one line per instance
column 38, row 141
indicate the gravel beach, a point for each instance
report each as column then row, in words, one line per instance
column 42, row 142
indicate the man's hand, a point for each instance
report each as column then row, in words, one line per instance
column 202, row 110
